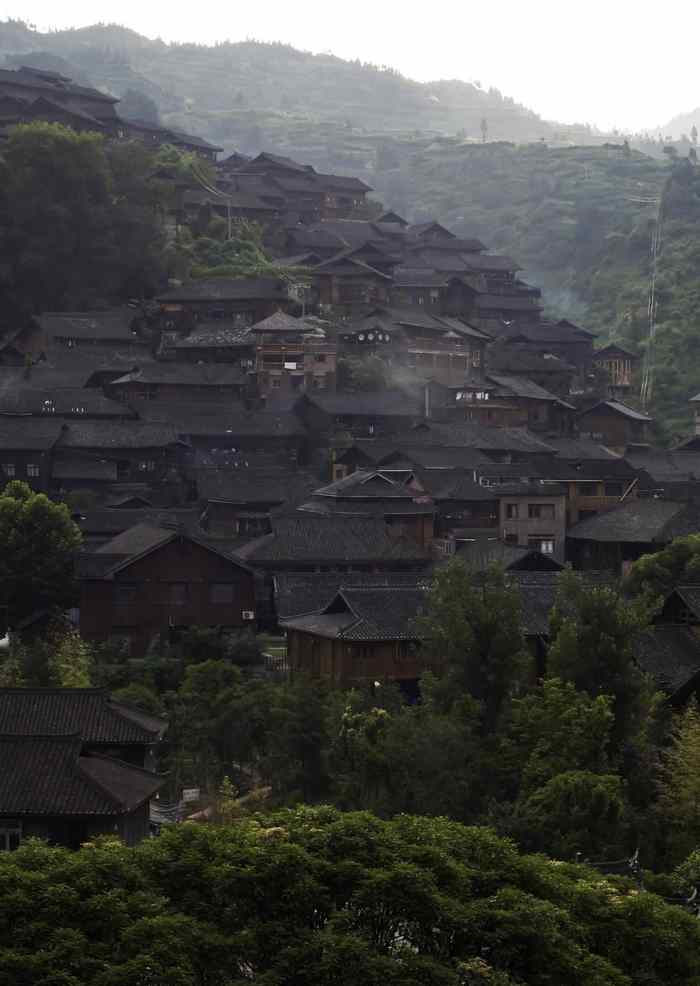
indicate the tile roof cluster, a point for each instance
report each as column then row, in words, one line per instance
column 89, row 712
column 46, row 775
column 310, row 539
column 367, row 613
column 643, row 520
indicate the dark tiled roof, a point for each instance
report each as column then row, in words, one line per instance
column 666, row 466
column 518, row 359
column 254, row 485
column 525, row 388
column 617, row 407
column 32, row 434
column 62, row 402
column 376, row 613
column 51, row 82
column 228, row 289
column 578, row 449
column 670, row 654
column 279, row 322
column 307, row 539
column 88, row 712
column 367, row 485
column 135, row 540
column 186, row 375
column 299, row 595
column 479, row 555
column 114, row 325
column 221, row 420
column 643, row 520
column 108, row 434
column 387, row 403
column 45, row 775
column 343, row 183
column 84, row 469
column 105, row 522
column 212, row 335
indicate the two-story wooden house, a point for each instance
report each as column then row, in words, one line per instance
column 149, row 580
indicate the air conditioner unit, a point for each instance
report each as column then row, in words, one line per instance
column 248, row 614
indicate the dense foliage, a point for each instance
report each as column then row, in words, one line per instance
column 38, row 541
column 80, row 226
column 313, row 896
column 228, row 89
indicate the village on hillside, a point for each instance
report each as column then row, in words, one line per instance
column 296, row 454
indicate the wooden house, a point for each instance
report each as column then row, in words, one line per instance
column 149, row 580
column 27, row 449
column 119, row 328
column 293, row 355
column 363, row 635
column 612, row 540
column 620, row 364
column 43, row 95
column 210, row 342
column 143, row 451
column 360, row 415
column 240, row 301
column 398, row 497
column 180, row 381
column 614, row 424
column 75, row 765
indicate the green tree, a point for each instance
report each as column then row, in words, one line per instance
column 658, row 573
column 71, row 664
column 679, row 785
column 592, row 631
column 38, row 542
column 575, row 811
column 74, row 230
column 557, row 729
column 471, row 627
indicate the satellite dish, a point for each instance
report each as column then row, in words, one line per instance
column 361, row 337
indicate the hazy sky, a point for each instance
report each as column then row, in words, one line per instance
column 608, row 62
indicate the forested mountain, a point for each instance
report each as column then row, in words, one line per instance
column 222, row 90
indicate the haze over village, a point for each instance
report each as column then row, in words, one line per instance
column 350, row 507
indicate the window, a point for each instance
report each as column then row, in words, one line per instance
column 48, row 406
column 512, row 511
column 33, row 470
column 434, row 296
column 276, row 383
column 176, row 593
column 476, row 357
column 221, row 593
column 545, row 545
column 10, row 835
column 511, row 539
column 125, row 593
column 320, row 357
column 421, row 299
column 540, row 511
column 9, row 469
column 147, row 465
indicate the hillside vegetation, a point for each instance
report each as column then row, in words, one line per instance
column 225, row 90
